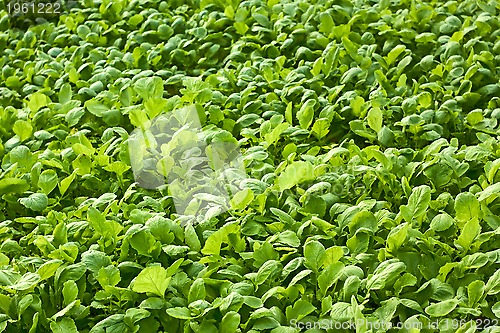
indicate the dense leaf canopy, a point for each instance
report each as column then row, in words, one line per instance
column 368, row 131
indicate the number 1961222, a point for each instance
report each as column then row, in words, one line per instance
column 24, row 14
column 33, row 8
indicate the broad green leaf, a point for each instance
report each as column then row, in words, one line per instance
column 315, row 254
column 27, row 281
column 65, row 325
column 289, row 114
column 135, row 19
column 36, row 202
column 153, row 279
column 113, row 324
column 66, row 182
column 47, row 181
column 95, row 260
column 242, row 199
column 74, row 115
column 149, row 87
column 496, row 309
column 241, row 27
column 466, row 207
column 441, row 309
column 418, row 203
column 282, row 216
column 394, row 53
column 13, row 185
column 70, row 292
column 475, row 291
column 375, row 119
column 143, row 242
column 388, row 309
column 385, row 274
column 333, row 255
column 108, row 276
column 329, row 276
column 291, row 266
column 326, row 22
column 306, row 113
column 489, row 191
column 192, row 239
column 174, row 267
column 294, row 174
column 351, row 49
column 299, row 310
column 139, row 118
column 23, row 129
column 266, row 271
column 179, row 313
column 397, row 237
column 48, row 269
column 215, row 240
column 493, row 285
column 442, row 222
column 321, row 128
column 351, row 287
column 342, row 312
column 471, row 230
column 197, row 291
column 475, row 260
column 272, row 137
column 37, row 101
column 230, row 322
column 96, row 108
column 65, row 93
column 301, row 275
column 349, row 75
column 262, row 20
column 135, row 315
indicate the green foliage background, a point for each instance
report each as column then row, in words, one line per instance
column 369, row 130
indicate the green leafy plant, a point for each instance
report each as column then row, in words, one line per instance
column 363, row 194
